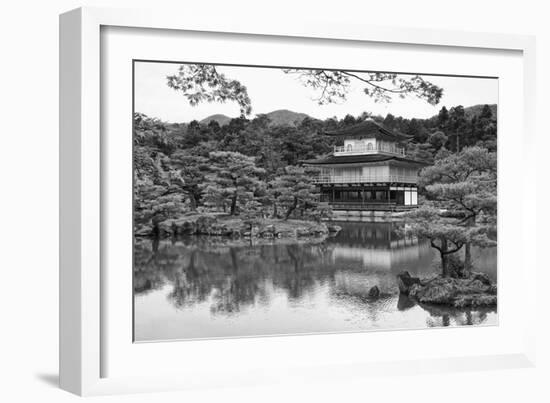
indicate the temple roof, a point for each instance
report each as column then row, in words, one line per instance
column 369, row 129
column 362, row 159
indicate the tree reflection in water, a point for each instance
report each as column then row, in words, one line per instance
column 229, row 277
column 232, row 276
column 445, row 316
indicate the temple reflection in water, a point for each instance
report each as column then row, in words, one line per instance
column 378, row 246
column 203, row 287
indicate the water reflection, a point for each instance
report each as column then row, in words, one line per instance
column 218, row 287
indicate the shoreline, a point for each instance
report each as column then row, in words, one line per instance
column 224, row 225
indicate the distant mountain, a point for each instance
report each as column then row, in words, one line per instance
column 221, row 119
column 474, row 110
column 279, row 117
column 283, row 117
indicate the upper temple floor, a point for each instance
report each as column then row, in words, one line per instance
column 368, row 146
column 368, row 137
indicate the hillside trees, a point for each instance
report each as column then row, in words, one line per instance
column 438, row 139
column 457, row 123
column 204, row 83
column 177, row 171
column 452, row 130
column 173, row 164
column 484, row 129
column 442, row 118
column 421, row 151
column 417, row 131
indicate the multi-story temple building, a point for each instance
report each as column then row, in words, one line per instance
column 369, row 171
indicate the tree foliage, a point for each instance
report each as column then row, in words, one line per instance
column 444, row 234
column 176, row 171
column 461, row 208
column 203, row 83
column 334, row 85
column 295, row 191
column 189, row 173
column 235, row 175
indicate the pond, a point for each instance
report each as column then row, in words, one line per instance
column 208, row 287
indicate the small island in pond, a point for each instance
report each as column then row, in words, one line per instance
column 249, row 187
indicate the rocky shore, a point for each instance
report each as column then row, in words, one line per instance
column 236, row 227
column 476, row 290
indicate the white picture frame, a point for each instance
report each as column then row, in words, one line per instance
column 82, row 187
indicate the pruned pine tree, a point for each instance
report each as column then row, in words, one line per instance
column 189, row 174
column 444, row 233
column 214, row 196
column 154, row 204
column 155, row 197
column 296, row 191
column 462, row 193
column 235, row 175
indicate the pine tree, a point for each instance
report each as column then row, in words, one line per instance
column 442, row 118
column 437, row 139
column 457, row 124
column 462, row 204
column 189, row 173
column 444, row 234
column 296, row 190
column 234, row 174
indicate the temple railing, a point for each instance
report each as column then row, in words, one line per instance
column 389, row 206
column 342, row 150
column 344, row 179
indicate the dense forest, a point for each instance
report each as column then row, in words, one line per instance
column 253, row 166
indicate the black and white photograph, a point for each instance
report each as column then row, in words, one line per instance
column 296, row 201
column 283, row 200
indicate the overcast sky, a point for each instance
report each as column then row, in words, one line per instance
column 271, row 89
